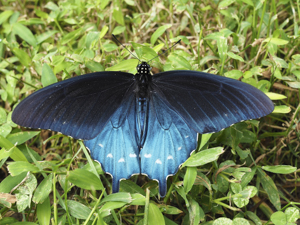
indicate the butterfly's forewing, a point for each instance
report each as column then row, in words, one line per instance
column 79, row 107
column 115, row 147
column 168, row 143
column 209, row 103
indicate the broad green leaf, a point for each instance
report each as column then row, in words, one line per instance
column 234, row 74
column 43, row 190
column 278, row 218
column 160, row 31
column 189, row 178
column 85, row 179
column 10, row 150
column 103, row 31
column 196, row 213
column 48, row 77
column 94, row 66
column 131, row 187
column 44, row 36
column 282, row 109
column 78, row 210
column 118, row 197
column 118, row 16
column 119, row 30
column 10, row 182
column 5, row 15
column 108, row 206
column 124, row 65
column 138, row 199
column 281, row 169
column 203, row 157
column 222, row 221
column 22, row 56
column 3, row 116
column 240, row 221
column 24, row 33
column 204, row 139
column 276, row 41
column 249, row 2
column 16, row 168
column 91, row 38
column 234, row 56
column 43, row 212
column 270, row 187
column 70, row 36
column 225, row 3
column 109, row 47
column 275, row 96
column 292, row 214
column 21, row 137
column 155, row 216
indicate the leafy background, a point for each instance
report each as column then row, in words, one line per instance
column 249, row 173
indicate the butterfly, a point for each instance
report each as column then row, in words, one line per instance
column 141, row 124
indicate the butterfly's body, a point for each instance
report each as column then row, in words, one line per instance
column 141, row 124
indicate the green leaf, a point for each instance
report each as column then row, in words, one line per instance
column 118, row 197
column 70, row 36
column 249, row 2
column 24, row 33
column 5, row 15
column 16, row 168
column 24, row 58
column 240, row 221
column 275, row 96
column 43, row 212
column 282, row 109
column 270, row 187
column 203, row 157
column 278, row 218
column 119, row 30
column 131, row 187
column 43, row 190
column 196, row 213
column 276, row 41
column 292, row 214
column 160, row 31
column 189, row 178
column 222, row 221
column 118, row 16
column 94, row 66
column 44, row 36
column 225, row 3
column 253, row 217
column 155, row 216
column 91, row 38
column 281, row 169
column 48, row 76
column 234, row 74
column 21, row 137
column 10, row 150
column 234, row 56
column 78, row 210
column 124, row 65
column 85, row 179
column 10, row 182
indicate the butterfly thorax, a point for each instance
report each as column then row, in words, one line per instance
column 142, row 78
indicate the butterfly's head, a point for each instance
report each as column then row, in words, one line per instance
column 143, row 68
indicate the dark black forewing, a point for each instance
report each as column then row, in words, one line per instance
column 208, row 103
column 79, row 107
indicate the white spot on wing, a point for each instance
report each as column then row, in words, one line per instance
column 186, row 136
column 101, row 145
column 170, row 157
column 147, row 155
column 109, row 155
column 179, row 148
column 121, row 160
column 132, row 155
column 158, row 161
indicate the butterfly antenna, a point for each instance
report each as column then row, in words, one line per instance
column 125, row 48
column 165, row 51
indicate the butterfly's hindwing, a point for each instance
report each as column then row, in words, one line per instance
column 116, row 147
column 168, row 144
